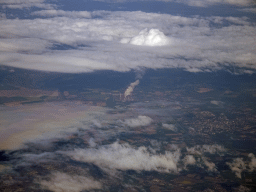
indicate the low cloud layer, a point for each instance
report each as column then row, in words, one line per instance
column 62, row 182
column 201, row 149
column 54, row 13
column 206, row 3
column 238, row 165
column 169, row 126
column 125, row 157
column 122, row 41
column 198, row 3
column 21, row 4
column 45, row 121
column 139, row 121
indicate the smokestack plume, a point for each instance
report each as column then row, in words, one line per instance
column 129, row 90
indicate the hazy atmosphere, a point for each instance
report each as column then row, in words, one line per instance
column 127, row 96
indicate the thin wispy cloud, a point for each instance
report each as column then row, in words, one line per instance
column 206, row 3
column 62, row 182
column 21, row 4
column 197, row 3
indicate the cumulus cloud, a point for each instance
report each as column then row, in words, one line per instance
column 252, row 164
column 153, row 37
column 238, row 165
column 189, row 160
column 200, row 151
column 62, row 182
column 210, row 165
column 92, row 142
column 125, row 157
column 169, row 126
column 193, row 43
column 212, row 149
column 139, row 121
column 219, row 103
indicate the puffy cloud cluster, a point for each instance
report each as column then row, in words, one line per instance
column 139, row 121
column 169, row 126
column 95, row 37
column 189, row 160
column 238, row 165
column 210, row 165
column 62, row 182
column 252, row 164
column 153, row 37
column 200, row 149
column 125, row 157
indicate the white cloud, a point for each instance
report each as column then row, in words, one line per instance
column 189, row 160
column 169, row 126
column 152, row 37
column 238, row 165
column 198, row 3
column 125, row 157
column 219, row 103
column 242, row 188
column 139, row 121
column 32, row 45
column 252, row 10
column 205, row 3
column 38, row 158
column 92, row 142
column 252, row 163
column 190, row 43
column 210, row 165
column 2, row 16
column 62, row 182
column 21, row 4
column 53, row 12
column 200, row 149
column 45, row 122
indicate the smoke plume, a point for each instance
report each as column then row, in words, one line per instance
column 129, row 90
